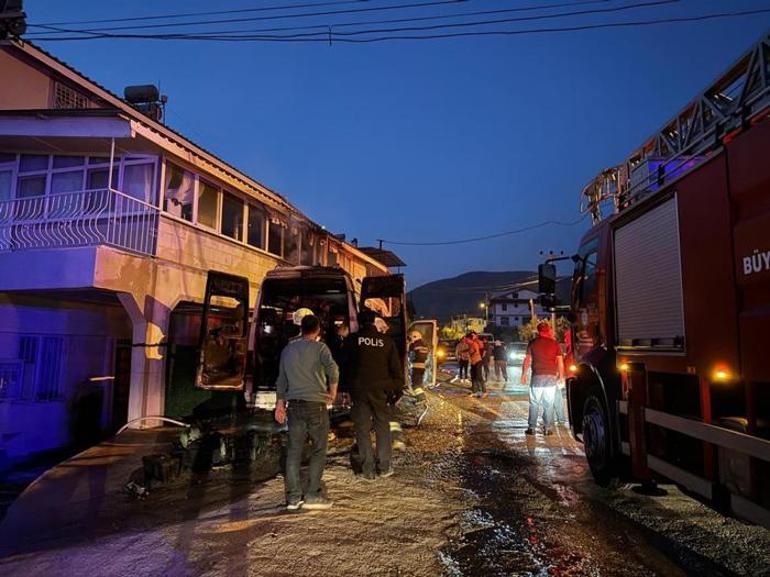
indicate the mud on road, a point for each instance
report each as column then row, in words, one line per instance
column 472, row 496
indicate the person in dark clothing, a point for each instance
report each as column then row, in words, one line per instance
column 486, row 358
column 375, row 380
column 501, row 361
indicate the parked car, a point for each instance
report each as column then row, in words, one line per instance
column 516, row 353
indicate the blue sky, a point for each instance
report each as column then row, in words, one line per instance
column 425, row 141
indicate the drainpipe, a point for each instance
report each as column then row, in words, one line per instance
column 112, row 162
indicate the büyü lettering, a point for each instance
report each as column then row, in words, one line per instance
column 757, row 262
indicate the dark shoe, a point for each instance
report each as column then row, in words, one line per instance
column 387, row 473
column 548, row 432
column 529, row 432
column 367, row 477
column 294, row 505
column 317, row 503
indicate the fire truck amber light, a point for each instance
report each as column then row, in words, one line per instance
column 624, row 367
column 722, row 375
column 573, row 368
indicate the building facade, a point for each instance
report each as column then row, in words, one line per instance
column 512, row 308
column 109, row 223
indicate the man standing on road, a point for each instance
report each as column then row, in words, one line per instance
column 544, row 356
column 463, row 352
column 374, row 375
column 479, row 388
column 305, row 369
column 501, row 361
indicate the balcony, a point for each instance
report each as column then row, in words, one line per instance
column 78, row 219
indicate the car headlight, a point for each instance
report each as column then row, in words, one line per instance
column 512, row 356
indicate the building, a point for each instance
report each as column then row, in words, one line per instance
column 512, row 308
column 465, row 323
column 109, row 222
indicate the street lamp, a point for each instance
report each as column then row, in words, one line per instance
column 485, row 307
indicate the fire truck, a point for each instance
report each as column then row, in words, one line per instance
column 670, row 302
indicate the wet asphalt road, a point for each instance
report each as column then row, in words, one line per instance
column 537, row 510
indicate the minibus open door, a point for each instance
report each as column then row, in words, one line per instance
column 224, row 333
column 386, row 295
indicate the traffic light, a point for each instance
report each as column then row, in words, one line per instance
column 13, row 20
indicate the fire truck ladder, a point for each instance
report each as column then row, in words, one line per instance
column 739, row 98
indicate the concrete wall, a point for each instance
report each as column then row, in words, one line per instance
column 89, row 331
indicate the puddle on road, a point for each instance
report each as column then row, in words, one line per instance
column 497, row 539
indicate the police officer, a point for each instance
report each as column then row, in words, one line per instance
column 375, row 379
column 418, row 356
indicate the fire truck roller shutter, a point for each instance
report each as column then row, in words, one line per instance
column 648, row 280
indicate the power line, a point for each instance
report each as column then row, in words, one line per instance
column 577, row 28
column 41, row 35
column 263, row 18
column 212, row 13
column 486, row 237
column 339, row 37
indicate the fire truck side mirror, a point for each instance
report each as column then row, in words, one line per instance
column 546, row 279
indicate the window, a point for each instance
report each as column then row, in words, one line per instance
column 180, row 191
column 68, row 161
column 98, row 178
column 291, row 245
column 505, row 307
column 68, row 181
column 307, row 255
column 29, row 186
column 138, row 180
column 208, row 201
column 232, row 216
column 49, row 371
column 11, row 377
column 33, row 162
column 275, row 238
column 256, row 227
column 37, row 372
column 6, row 180
column 504, row 321
column 331, row 258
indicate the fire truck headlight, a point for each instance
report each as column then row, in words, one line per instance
column 573, row 369
column 623, row 367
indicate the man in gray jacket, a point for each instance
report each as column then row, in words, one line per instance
column 307, row 383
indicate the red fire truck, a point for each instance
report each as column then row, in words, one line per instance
column 671, row 302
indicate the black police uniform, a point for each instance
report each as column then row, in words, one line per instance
column 374, row 377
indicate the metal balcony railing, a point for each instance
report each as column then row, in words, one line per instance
column 82, row 218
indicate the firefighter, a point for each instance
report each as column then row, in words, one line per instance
column 418, row 356
column 375, row 379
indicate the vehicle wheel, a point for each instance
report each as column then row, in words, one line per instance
column 597, row 440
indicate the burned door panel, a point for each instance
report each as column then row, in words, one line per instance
column 223, row 336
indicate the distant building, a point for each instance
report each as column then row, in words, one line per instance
column 109, row 223
column 464, row 324
column 511, row 308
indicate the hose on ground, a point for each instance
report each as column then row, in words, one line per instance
column 156, row 418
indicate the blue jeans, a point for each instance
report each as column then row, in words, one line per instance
column 306, row 419
column 558, row 406
column 541, row 394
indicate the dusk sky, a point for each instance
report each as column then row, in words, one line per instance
column 426, row 140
